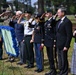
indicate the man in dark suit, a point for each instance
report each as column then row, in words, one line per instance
column 63, row 37
column 49, row 40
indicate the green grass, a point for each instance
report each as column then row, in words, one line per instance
column 72, row 18
column 7, row 68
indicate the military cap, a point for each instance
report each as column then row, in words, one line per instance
column 29, row 12
column 38, row 15
column 49, row 11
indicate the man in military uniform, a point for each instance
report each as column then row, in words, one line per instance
column 27, row 38
column 49, row 40
column 2, row 15
column 5, row 17
column 38, row 39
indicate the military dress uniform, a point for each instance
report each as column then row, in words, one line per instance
column 38, row 39
column 28, row 46
column 49, row 42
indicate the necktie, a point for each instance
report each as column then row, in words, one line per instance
column 59, row 23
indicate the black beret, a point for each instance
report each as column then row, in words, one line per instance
column 29, row 12
column 49, row 11
column 38, row 15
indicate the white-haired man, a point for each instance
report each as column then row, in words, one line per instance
column 19, row 32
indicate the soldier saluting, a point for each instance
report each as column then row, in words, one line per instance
column 49, row 28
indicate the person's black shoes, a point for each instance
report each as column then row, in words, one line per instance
column 11, row 60
column 39, row 70
column 19, row 63
column 29, row 66
column 60, row 73
column 26, row 66
column 51, row 73
column 1, row 59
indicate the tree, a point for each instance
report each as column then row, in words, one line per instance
column 3, row 2
column 40, row 6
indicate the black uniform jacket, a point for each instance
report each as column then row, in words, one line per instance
column 39, row 33
column 49, row 28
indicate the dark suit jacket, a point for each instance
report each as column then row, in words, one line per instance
column 64, row 33
column 19, row 31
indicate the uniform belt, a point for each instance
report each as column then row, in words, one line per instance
column 28, row 35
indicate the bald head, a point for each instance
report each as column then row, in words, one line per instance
column 18, row 12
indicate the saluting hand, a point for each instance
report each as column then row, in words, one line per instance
column 23, row 15
column 55, row 16
column 43, row 15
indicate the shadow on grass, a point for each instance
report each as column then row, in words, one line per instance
column 46, row 62
column 13, row 68
column 69, row 70
column 5, row 58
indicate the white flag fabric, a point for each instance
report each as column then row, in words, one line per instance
column 9, row 39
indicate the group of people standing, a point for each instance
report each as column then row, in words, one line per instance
column 35, row 33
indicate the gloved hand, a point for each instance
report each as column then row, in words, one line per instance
column 29, row 24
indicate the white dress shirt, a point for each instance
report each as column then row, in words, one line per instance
column 27, row 30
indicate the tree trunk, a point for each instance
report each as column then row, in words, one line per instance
column 40, row 6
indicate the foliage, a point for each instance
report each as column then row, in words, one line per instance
column 72, row 8
column 51, row 4
column 70, row 5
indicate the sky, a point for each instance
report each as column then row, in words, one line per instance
column 32, row 1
